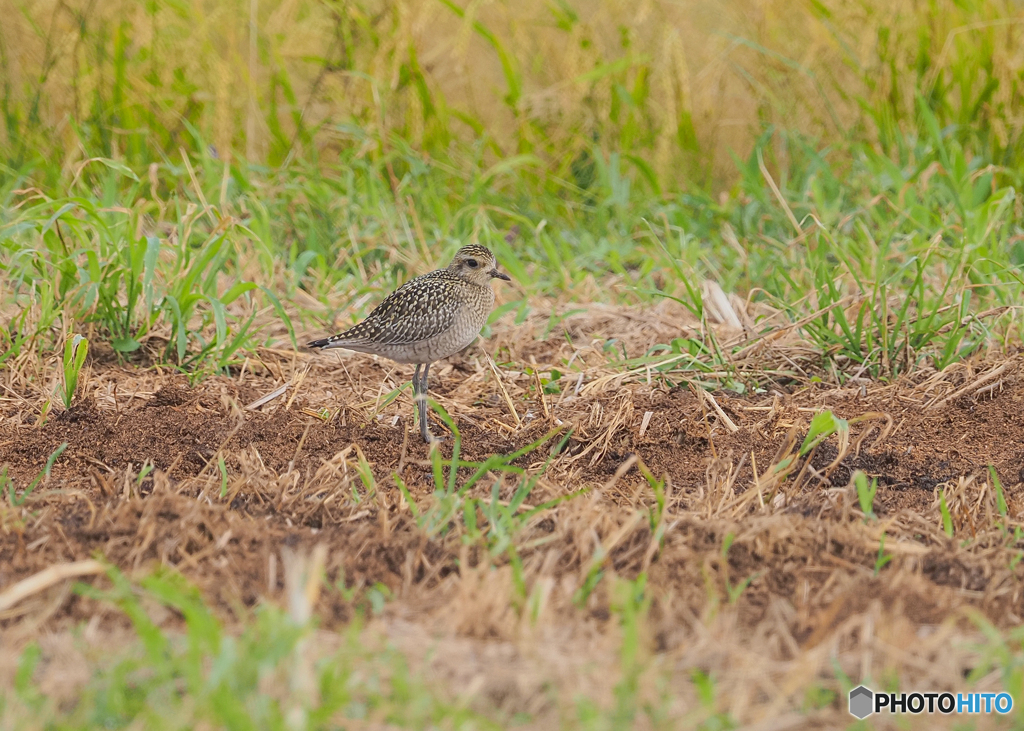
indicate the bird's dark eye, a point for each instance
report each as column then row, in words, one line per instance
column 472, row 263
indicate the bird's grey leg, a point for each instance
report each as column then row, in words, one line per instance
column 424, row 428
column 418, row 397
column 419, row 388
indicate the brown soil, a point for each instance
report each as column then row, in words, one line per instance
column 293, row 479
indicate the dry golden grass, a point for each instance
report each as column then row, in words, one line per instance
column 705, row 77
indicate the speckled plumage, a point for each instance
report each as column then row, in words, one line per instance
column 428, row 318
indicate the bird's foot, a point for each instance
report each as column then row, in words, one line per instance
column 431, row 438
column 428, row 436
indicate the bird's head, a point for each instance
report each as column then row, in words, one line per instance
column 476, row 264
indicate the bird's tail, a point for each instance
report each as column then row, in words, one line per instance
column 341, row 340
column 324, row 342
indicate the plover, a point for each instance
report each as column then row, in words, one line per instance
column 428, row 318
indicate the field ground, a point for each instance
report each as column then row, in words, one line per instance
column 744, row 429
column 675, row 559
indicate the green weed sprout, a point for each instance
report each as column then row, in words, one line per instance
column 75, row 350
column 823, row 425
column 866, row 493
column 6, row 483
column 882, row 558
column 947, row 517
column 1000, row 497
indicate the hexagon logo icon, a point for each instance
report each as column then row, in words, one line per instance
column 861, row 702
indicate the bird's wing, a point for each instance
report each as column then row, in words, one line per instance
column 418, row 310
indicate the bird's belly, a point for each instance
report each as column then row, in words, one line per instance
column 442, row 345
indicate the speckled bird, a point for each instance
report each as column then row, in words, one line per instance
column 428, row 318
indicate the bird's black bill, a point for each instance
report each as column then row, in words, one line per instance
column 318, row 343
column 495, row 274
